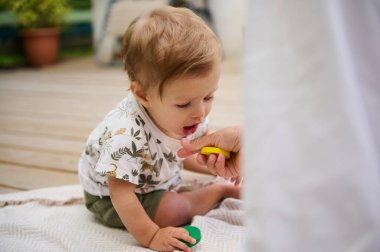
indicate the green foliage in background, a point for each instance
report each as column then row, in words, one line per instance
column 32, row 14
column 75, row 39
column 80, row 4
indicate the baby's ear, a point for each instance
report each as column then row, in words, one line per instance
column 139, row 93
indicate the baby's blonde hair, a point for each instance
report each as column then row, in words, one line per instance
column 168, row 43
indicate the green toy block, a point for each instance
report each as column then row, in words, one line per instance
column 193, row 232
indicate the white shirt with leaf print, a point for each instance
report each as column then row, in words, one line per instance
column 128, row 146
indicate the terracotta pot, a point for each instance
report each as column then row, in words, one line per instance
column 41, row 45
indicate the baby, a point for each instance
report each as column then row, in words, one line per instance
column 130, row 167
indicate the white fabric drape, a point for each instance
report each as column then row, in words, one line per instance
column 312, row 125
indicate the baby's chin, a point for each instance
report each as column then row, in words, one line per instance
column 175, row 135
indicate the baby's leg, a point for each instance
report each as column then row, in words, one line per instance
column 177, row 209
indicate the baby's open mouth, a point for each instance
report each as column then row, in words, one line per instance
column 188, row 130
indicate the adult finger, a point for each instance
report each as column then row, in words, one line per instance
column 238, row 180
column 201, row 159
column 211, row 160
column 220, row 166
column 232, row 168
column 194, row 146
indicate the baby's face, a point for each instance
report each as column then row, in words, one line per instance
column 185, row 102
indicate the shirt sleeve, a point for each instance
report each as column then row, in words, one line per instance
column 121, row 157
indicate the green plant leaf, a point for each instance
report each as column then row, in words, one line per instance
column 33, row 14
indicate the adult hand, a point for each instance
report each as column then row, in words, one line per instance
column 169, row 239
column 228, row 139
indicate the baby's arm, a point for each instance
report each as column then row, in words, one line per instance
column 130, row 211
column 138, row 223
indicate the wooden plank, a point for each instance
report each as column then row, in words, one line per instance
column 52, row 130
column 49, row 117
column 74, row 130
column 59, row 103
column 39, row 159
column 21, row 178
column 30, row 142
column 5, row 189
column 63, row 90
column 103, row 81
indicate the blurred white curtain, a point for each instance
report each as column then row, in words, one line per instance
column 312, row 125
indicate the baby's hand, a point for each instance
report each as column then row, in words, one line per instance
column 169, row 239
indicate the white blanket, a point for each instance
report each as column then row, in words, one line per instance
column 55, row 219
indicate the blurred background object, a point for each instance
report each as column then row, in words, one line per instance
column 72, row 17
column 39, row 24
column 97, row 26
column 312, row 138
column 112, row 17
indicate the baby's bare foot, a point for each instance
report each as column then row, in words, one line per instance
column 230, row 190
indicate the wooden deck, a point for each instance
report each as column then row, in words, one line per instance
column 46, row 115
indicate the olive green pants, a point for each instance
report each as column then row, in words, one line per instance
column 104, row 211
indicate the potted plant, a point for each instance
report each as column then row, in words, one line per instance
column 40, row 23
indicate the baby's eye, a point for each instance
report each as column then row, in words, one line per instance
column 183, row 105
column 209, row 98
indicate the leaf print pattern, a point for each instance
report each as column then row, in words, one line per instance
column 120, row 131
column 136, row 135
column 145, row 166
column 158, row 166
column 124, row 109
column 118, row 154
column 145, row 181
column 134, row 153
column 155, row 168
column 170, row 157
column 125, row 145
column 141, row 120
column 89, row 151
column 108, row 146
column 104, row 136
column 113, row 173
column 148, row 136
